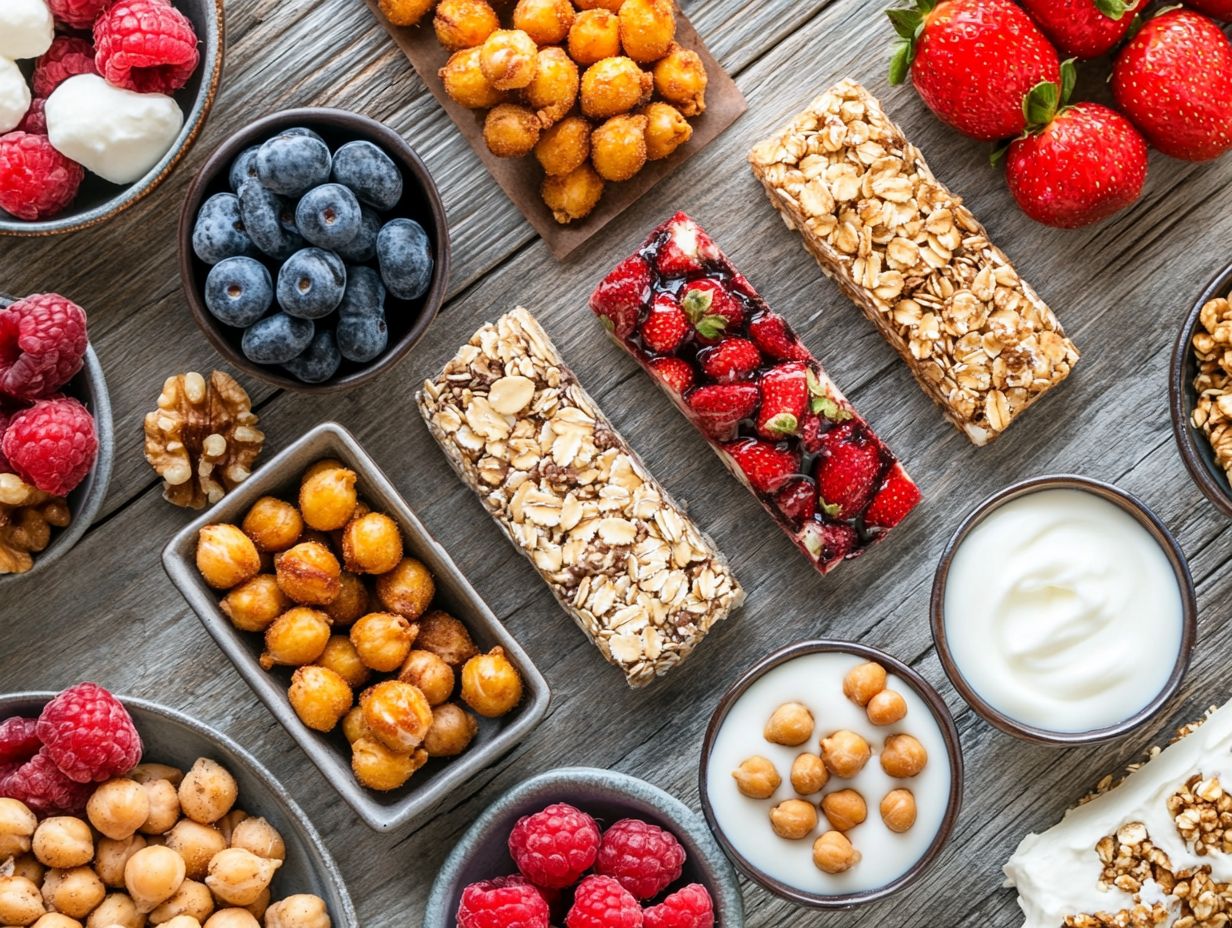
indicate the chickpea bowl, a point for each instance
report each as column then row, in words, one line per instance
column 831, row 773
column 356, row 629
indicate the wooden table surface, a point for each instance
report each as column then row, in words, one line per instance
column 108, row 613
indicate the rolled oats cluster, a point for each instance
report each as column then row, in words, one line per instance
column 1212, row 346
column 976, row 336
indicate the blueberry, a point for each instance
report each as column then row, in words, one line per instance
column 405, row 256
column 363, row 246
column 219, row 230
column 291, row 164
column 277, row 339
column 362, row 338
column 364, row 295
column 243, row 167
column 300, row 130
column 370, row 173
column 320, row 359
column 311, row 283
column 328, row 216
column 262, row 210
column 238, row 291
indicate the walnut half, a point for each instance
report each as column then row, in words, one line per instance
column 203, row 438
column 27, row 516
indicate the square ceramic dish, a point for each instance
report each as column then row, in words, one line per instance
column 330, row 752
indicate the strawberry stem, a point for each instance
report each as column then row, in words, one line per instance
column 909, row 23
column 1115, row 9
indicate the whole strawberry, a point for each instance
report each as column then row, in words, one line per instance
column 972, row 62
column 1083, row 28
column 1174, row 80
column 767, row 467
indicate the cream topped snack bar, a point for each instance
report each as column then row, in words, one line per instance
column 976, row 336
column 1156, row 850
column 619, row 554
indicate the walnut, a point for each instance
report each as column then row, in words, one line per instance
column 27, row 516
column 203, row 438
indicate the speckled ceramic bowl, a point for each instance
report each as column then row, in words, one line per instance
column 607, row 795
column 98, row 200
column 171, row 737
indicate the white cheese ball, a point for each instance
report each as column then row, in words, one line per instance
column 26, row 28
column 116, row 133
column 14, row 94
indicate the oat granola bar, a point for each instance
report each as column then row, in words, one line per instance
column 618, row 553
column 976, row 336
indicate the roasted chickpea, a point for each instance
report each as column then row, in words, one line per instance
column 319, row 467
column 808, row 774
column 261, row 838
column 647, row 28
column 666, row 129
column 116, row 909
column 511, row 130
column 453, row 729
column 464, row 81
column 273, row 524
column 491, row 685
column 253, row 605
column 791, row 724
column 238, row 877
column 397, row 714
column 111, row 856
column 863, row 682
column 432, row 675
column 327, row 498
column 371, row 544
column 407, row 589
column 181, row 921
column 547, row 22
column 309, row 573
column 164, row 807
column 595, row 35
column 196, row 843
column 341, row 657
column 299, row 911
column 226, row 557
column 208, row 791
column 898, row 810
column 20, row 901
column 63, row 842
column 152, row 876
column 844, row 809
column 508, row 59
column 377, row 767
column 232, row 918
column 564, row 147
column 614, row 86
column 144, row 773
column 618, row 147
column 57, row 920
column 903, row 756
column 319, row 696
column 612, row 6
column 354, row 727
column 446, row 637
column 262, row 903
column 383, row 640
column 845, row 753
column 464, row 23
column 793, row 819
column 680, row 79
column 886, row 708
column 756, row 777
column 405, row 12
column 572, row 196
column 554, row 88
column 27, row 865
column 297, row 637
column 118, row 808
column 76, row 892
column 833, row 853
column 17, row 825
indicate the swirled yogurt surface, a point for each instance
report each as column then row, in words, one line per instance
column 1062, row 612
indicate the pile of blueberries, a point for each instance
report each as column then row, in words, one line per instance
column 306, row 229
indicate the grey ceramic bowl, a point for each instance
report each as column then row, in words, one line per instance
column 482, row 853
column 170, row 737
column 90, row 387
column 440, row 778
column 1167, row 543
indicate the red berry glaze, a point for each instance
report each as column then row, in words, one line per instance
column 798, row 500
column 51, row 444
column 1084, row 28
column 505, row 902
column 36, row 181
column 774, row 337
column 617, row 301
column 690, row 907
column 554, row 847
column 145, row 45
column 601, row 902
column 641, row 857
column 67, row 57
column 43, row 341
column 89, row 734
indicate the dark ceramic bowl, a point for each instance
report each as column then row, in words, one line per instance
column 1149, row 521
column 483, row 851
column 949, row 734
column 171, row 737
column 408, row 320
column 98, row 200
column 441, row 778
column 1195, row 449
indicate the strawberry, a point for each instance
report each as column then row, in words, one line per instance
column 897, row 497
column 784, row 400
column 618, row 299
column 1174, row 80
column 1075, row 165
column 766, row 466
column 731, row 359
column 686, row 249
column 675, row 372
column 1083, row 28
column 830, row 541
column 972, row 62
column 720, row 408
column 712, row 310
column 847, row 470
column 775, row 338
column 665, row 326
column 797, row 500
column 1220, row 9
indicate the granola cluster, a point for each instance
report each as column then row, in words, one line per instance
column 1212, row 347
column 915, row 260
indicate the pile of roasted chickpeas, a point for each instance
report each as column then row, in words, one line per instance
column 595, row 88
column 158, row 846
column 329, row 585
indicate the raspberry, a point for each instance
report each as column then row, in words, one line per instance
column 145, row 45
column 553, row 848
column 52, row 444
column 5, row 416
column 686, row 908
column 642, row 857
column 79, row 14
column 43, row 342
column 89, row 734
column 601, row 902
column 18, row 741
column 505, row 902
column 35, row 120
column 68, row 56
column 36, row 181
column 41, row 785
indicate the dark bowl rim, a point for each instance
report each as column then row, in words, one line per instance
column 949, row 733
column 364, row 127
column 1214, row 486
column 1163, row 537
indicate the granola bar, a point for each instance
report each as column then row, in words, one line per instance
column 976, row 336
column 618, row 553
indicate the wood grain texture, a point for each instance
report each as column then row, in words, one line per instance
column 1121, row 289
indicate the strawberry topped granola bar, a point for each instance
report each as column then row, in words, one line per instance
column 769, row 410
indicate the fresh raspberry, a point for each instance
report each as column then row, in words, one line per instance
column 18, row 741
column 145, row 45
column 505, row 902
column 43, row 341
column 36, row 181
column 5, row 416
column 89, row 734
column 553, row 848
column 601, row 902
column 67, row 57
column 690, row 907
column 52, row 444
column 78, row 14
column 41, row 785
column 642, row 857
column 35, row 120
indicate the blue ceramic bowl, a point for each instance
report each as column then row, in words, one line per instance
column 482, row 853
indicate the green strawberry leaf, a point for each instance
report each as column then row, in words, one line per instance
column 900, row 61
column 1114, row 9
column 907, row 22
column 999, row 150
column 1047, row 100
column 830, row 509
column 782, row 424
column 607, row 323
column 710, row 326
column 1069, row 77
column 696, row 304
column 824, row 406
column 814, row 385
